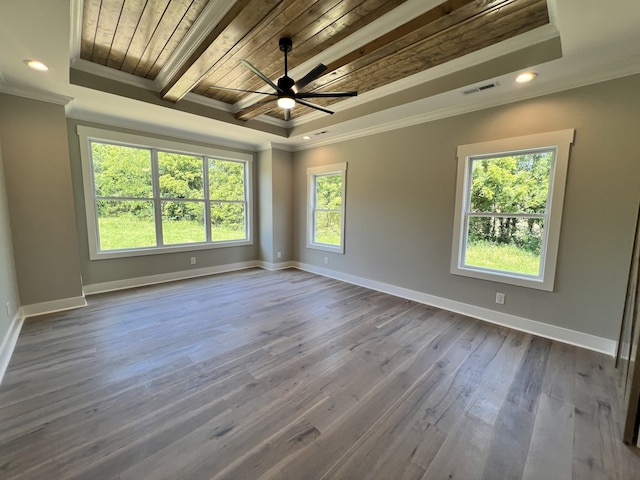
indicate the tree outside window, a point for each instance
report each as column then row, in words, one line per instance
column 509, row 199
column 149, row 199
column 507, row 211
column 326, row 207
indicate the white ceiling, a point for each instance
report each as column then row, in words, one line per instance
column 600, row 41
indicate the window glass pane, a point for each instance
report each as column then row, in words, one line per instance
column 509, row 244
column 120, row 171
column 329, row 192
column 126, row 224
column 183, row 222
column 512, row 184
column 180, row 175
column 226, row 180
column 227, row 221
column 327, row 228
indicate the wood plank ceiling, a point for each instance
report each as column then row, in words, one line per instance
column 142, row 38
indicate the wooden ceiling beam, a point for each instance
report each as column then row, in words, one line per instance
column 194, row 67
column 329, row 22
column 389, row 38
column 260, row 44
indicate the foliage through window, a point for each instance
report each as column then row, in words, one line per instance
column 326, row 207
column 148, row 198
column 508, row 209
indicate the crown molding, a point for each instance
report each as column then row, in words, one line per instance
column 112, row 74
column 75, row 41
column 157, row 129
column 209, row 102
column 34, row 94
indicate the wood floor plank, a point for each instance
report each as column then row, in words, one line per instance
column 550, row 453
column 486, row 401
column 511, row 437
column 464, row 452
column 551, row 450
column 288, row 375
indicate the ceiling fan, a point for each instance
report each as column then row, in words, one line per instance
column 287, row 89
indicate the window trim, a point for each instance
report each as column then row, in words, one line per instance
column 312, row 174
column 561, row 141
column 88, row 134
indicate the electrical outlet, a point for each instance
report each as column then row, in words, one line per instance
column 326, row 260
column 500, row 297
column 193, row 260
column 279, row 254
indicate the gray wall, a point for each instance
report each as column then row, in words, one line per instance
column 275, row 199
column 282, row 205
column 33, row 135
column 265, row 204
column 401, row 192
column 8, row 280
column 114, row 269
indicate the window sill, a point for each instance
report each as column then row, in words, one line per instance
column 139, row 252
column 326, row 248
column 505, row 277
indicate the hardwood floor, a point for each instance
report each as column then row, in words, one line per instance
column 288, row 375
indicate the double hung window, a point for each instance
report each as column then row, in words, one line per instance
column 508, row 208
column 326, row 188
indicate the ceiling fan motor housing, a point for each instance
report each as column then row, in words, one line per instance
column 286, row 83
column 286, row 45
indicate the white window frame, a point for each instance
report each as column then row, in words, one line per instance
column 561, row 141
column 88, row 134
column 312, row 174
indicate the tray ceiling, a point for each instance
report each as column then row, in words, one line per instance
column 188, row 46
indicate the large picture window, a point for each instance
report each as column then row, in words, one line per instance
column 326, row 202
column 508, row 208
column 151, row 196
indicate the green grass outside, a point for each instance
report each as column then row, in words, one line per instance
column 507, row 258
column 133, row 232
column 328, row 236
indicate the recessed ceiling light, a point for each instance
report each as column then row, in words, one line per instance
column 306, row 137
column 36, row 65
column 526, row 77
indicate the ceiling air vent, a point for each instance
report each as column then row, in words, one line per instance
column 486, row 86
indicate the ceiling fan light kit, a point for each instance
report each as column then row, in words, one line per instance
column 287, row 90
column 286, row 102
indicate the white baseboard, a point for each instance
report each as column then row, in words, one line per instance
column 564, row 335
column 165, row 277
column 53, row 306
column 9, row 342
column 276, row 266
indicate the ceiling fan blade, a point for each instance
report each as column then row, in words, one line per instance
column 262, row 76
column 310, row 77
column 311, row 105
column 243, row 91
column 326, row 94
